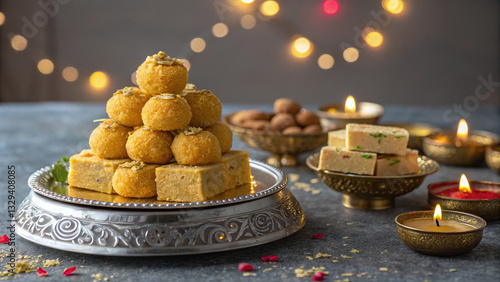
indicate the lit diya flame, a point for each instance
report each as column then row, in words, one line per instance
column 350, row 105
column 437, row 214
column 463, row 130
column 464, row 185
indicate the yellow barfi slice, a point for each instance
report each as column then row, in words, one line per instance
column 336, row 138
column 376, row 139
column 394, row 165
column 237, row 168
column 342, row 160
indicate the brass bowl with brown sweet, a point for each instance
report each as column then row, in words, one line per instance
column 287, row 132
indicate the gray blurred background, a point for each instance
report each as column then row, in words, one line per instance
column 433, row 53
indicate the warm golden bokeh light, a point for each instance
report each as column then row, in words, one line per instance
column 18, row 42
column 70, row 74
column 301, row 47
column 326, row 61
column 45, row 66
column 2, row 18
column 198, row 45
column 220, row 30
column 393, row 6
column 248, row 22
column 350, row 105
column 464, row 185
column 247, row 1
column 437, row 212
column 98, row 79
column 374, row 39
column 133, row 78
column 187, row 64
column 463, row 130
column 351, row 54
column 269, row 8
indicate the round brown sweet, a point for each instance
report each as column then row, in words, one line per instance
column 282, row 121
column 240, row 117
column 292, row 130
column 205, row 108
column 257, row 124
column 199, row 148
column 135, row 180
column 306, row 117
column 166, row 112
column 223, row 134
column 126, row 105
column 161, row 74
column 313, row 128
column 150, row 146
column 286, row 106
column 108, row 140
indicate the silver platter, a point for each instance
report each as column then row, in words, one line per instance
column 133, row 230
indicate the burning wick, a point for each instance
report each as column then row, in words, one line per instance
column 462, row 132
column 437, row 214
column 464, row 185
column 350, row 105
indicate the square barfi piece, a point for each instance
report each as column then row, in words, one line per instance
column 376, row 139
column 336, row 138
column 237, row 168
column 89, row 171
column 343, row 160
column 394, row 165
column 181, row 183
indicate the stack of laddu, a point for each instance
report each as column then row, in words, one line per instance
column 162, row 139
column 369, row 150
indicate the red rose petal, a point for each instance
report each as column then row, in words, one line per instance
column 264, row 258
column 245, row 267
column 318, row 236
column 317, row 278
column 4, row 239
column 273, row 258
column 319, row 273
column 41, row 272
column 68, row 271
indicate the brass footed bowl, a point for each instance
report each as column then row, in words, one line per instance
column 283, row 147
column 440, row 243
column 493, row 158
column 372, row 192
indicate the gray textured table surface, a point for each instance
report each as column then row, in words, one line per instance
column 35, row 135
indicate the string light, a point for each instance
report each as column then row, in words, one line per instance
column 98, row 79
column 198, row 45
column 330, row 7
column 374, row 38
column 326, row 61
column 220, row 30
column 2, row 18
column 248, row 21
column 45, row 66
column 70, row 74
column 301, row 47
column 351, row 54
column 269, row 8
column 393, row 6
column 18, row 42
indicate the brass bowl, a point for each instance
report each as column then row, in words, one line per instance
column 487, row 209
column 493, row 158
column 367, row 113
column 442, row 147
column 284, row 147
column 372, row 192
column 440, row 243
column 417, row 132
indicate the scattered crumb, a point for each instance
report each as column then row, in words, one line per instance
column 329, row 224
column 347, row 274
column 314, row 180
column 284, row 276
column 383, row 269
column 320, row 255
column 309, row 257
column 346, row 237
column 354, row 251
column 362, row 274
column 349, row 223
column 249, row 274
column 383, row 252
column 97, row 276
column 395, row 271
column 453, row 269
column 346, row 257
column 300, row 272
column 335, row 260
column 51, row 262
column 293, row 177
column 267, row 269
column 345, row 245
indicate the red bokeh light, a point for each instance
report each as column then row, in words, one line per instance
column 330, row 7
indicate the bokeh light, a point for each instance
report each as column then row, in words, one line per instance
column 70, row 74
column 18, row 42
column 330, row 7
column 45, row 66
column 133, row 78
column 198, row 44
column 269, row 8
column 326, row 61
column 393, row 6
column 247, row 1
column 301, row 47
column 248, row 22
column 351, row 54
column 98, row 79
column 187, row 64
column 2, row 18
column 220, row 30
column 374, row 38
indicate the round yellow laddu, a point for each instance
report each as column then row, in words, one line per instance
column 150, row 146
column 198, row 148
column 135, row 180
column 108, row 140
column 205, row 107
column 161, row 74
column 223, row 134
column 166, row 112
column 126, row 105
